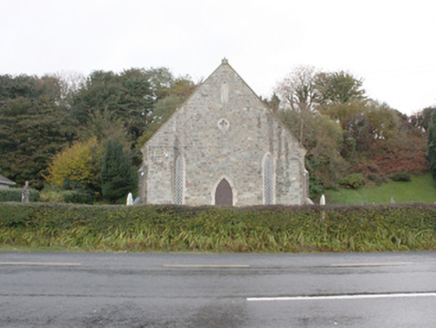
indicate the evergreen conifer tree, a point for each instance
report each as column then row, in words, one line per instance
column 431, row 155
column 116, row 174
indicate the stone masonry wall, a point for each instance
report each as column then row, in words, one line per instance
column 223, row 131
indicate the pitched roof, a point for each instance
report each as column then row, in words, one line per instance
column 6, row 181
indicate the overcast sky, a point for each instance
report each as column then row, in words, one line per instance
column 391, row 45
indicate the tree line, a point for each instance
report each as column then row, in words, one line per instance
column 351, row 139
column 59, row 131
column 69, row 132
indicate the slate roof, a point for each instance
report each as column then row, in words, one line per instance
column 6, row 181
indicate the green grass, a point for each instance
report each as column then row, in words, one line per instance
column 420, row 189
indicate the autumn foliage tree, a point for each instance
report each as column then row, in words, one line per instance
column 75, row 167
column 344, row 131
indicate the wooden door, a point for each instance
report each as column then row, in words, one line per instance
column 223, row 193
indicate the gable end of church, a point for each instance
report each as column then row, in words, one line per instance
column 223, row 146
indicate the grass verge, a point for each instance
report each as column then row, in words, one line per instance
column 420, row 189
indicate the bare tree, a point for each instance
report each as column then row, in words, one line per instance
column 70, row 82
column 297, row 91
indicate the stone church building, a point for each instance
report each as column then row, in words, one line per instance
column 223, row 147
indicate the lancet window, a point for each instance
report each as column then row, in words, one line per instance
column 179, row 181
column 268, row 180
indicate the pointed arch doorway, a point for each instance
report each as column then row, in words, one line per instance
column 223, row 193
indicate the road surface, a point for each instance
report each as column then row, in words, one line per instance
column 217, row 290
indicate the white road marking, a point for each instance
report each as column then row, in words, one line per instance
column 370, row 264
column 339, row 297
column 206, row 266
column 40, row 263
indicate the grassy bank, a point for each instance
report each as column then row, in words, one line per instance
column 420, row 189
column 212, row 229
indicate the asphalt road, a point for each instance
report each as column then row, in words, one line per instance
column 210, row 290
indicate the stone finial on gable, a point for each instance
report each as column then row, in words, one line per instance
column 225, row 61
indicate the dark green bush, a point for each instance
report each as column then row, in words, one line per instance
column 14, row 195
column 77, row 197
column 378, row 179
column 401, row 176
column 354, row 181
column 315, row 189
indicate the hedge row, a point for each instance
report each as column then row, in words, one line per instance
column 14, row 195
column 330, row 228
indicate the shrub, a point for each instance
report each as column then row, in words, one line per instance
column 315, row 189
column 354, row 181
column 77, row 197
column 377, row 179
column 14, row 195
column 51, row 196
column 401, row 176
column 372, row 167
column 67, row 196
column 328, row 228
